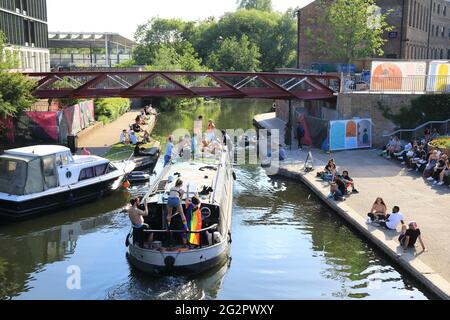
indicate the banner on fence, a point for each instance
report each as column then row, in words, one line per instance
column 398, row 76
column 350, row 134
column 439, row 77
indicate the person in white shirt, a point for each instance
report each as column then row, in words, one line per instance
column 393, row 220
column 124, row 137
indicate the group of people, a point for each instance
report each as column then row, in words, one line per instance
column 433, row 164
column 409, row 234
column 341, row 185
column 177, row 218
column 206, row 142
column 131, row 136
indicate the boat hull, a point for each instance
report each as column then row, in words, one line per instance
column 184, row 263
column 16, row 211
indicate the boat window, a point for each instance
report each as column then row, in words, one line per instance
column 87, row 173
column 12, row 176
column 100, row 170
column 50, row 177
column 64, row 159
column 111, row 168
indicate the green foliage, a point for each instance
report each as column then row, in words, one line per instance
column 235, row 55
column 355, row 29
column 15, row 88
column 423, row 109
column 109, row 109
column 272, row 33
column 66, row 83
column 126, row 64
column 263, row 5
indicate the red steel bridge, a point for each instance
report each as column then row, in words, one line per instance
column 178, row 84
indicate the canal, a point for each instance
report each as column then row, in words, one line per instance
column 286, row 244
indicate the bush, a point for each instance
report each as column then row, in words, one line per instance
column 109, row 109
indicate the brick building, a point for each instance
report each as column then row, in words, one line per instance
column 421, row 30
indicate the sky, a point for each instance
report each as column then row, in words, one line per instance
column 124, row 16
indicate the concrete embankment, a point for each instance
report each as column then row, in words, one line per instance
column 379, row 177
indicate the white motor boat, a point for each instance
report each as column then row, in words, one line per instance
column 39, row 179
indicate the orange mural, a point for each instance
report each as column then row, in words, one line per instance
column 351, row 129
column 387, row 76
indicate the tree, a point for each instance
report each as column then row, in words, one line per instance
column 236, row 55
column 15, row 88
column 350, row 30
column 262, row 5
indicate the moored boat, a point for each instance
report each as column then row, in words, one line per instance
column 210, row 179
column 40, row 179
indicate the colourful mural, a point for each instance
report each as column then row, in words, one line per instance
column 398, row 76
column 350, row 134
column 439, row 80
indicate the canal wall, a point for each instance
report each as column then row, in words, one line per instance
column 349, row 106
column 375, row 177
column 367, row 105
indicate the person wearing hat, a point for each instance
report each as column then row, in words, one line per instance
column 409, row 237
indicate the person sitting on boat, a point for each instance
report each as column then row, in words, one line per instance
column 184, row 144
column 211, row 133
column 136, row 216
column 169, row 151
column 174, row 202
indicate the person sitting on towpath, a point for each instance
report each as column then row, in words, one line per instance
column 409, row 237
column 136, row 216
column 378, row 211
column 348, row 182
column 335, row 193
column 393, row 220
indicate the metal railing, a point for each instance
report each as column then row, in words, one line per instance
column 442, row 126
column 410, row 84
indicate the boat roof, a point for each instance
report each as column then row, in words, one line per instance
column 18, row 157
column 40, row 151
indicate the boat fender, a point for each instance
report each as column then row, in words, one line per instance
column 234, row 176
column 169, row 261
column 68, row 174
column 230, row 240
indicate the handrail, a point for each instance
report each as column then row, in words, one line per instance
column 215, row 226
column 418, row 128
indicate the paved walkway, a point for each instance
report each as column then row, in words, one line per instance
column 99, row 141
column 375, row 177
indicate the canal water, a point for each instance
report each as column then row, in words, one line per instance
column 286, row 244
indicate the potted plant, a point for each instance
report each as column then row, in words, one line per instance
column 442, row 143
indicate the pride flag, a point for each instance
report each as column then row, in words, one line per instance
column 195, row 225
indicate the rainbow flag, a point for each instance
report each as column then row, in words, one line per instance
column 195, row 225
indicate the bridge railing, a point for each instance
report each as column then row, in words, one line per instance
column 410, row 84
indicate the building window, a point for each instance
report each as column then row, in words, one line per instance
column 441, row 56
column 414, row 15
column 432, row 30
column 439, row 9
column 443, row 32
column 448, row 53
column 437, row 32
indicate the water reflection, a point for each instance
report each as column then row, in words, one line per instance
column 28, row 247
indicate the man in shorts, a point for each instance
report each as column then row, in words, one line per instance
column 136, row 216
